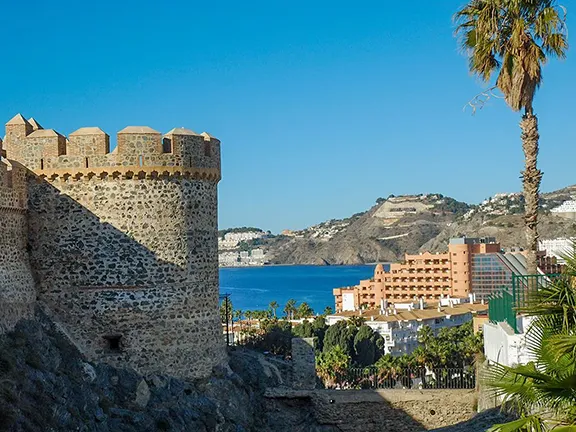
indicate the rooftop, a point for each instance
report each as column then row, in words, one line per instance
column 417, row 314
column 88, row 131
column 181, row 131
column 42, row 133
column 138, row 130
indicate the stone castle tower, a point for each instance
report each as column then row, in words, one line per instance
column 120, row 247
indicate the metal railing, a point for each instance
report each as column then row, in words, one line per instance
column 502, row 305
column 418, row 378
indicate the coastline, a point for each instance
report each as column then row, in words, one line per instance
column 254, row 288
column 299, row 265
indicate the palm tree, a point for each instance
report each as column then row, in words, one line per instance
column 249, row 315
column 274, row 305
column 357, row 321
column 544, row 390
column 290, row 308
column 512, row 40
column 425, row 335
column 328, row 311
column 304, row 310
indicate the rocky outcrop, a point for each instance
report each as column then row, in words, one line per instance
column 412, row 224
column 47, row 385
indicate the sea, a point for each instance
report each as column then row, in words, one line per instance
column 253, row 288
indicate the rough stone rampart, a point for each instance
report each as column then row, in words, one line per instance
column 123, row 244
column 17, row 292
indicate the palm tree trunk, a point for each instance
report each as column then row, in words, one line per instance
column 531, row 177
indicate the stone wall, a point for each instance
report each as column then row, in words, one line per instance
column 375, row 410
column 123, row 244
column 303, row 363
column 17, row 292
column 132, row 260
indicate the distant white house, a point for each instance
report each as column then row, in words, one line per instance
column 565, row 207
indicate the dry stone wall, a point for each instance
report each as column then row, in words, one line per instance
column 123, row 244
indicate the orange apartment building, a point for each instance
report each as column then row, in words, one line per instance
column 426, row 275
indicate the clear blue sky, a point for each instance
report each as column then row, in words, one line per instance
column 321, row 107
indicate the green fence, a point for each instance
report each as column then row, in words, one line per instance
column 502, row 305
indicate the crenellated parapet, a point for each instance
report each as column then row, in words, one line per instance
column 86, row 152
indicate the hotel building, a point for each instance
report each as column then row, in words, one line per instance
column 426, row 275
column 471, row 265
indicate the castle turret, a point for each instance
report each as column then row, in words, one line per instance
column 124, row 243
column 35, row 125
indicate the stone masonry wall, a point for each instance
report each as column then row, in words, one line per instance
column 373, row 410
column 303, row 363
column 123, row 244
column 17, row 292
column 136, row 259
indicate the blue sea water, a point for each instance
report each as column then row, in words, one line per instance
column 253, row 288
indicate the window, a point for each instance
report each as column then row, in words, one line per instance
column 86, row 162
column 41, row 164
column 113, row 342
column 140, row 160
column 166, row 145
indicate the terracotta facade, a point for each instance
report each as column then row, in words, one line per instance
column 427, row 275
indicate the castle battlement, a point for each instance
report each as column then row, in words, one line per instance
column 139, row 149
column 13, row 189
column 120, row 246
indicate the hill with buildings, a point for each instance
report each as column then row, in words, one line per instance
column 417, row 223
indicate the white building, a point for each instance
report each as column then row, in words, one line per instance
column 565, row 207
column 232, row 239
column 400, row 323
column 228, row 259
column 255, row 257
column 557, row 247
column 502, row 345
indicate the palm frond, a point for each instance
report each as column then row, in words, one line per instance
column 529, row 423
column 512, row 39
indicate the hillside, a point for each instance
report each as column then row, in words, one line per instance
column 413, row 224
